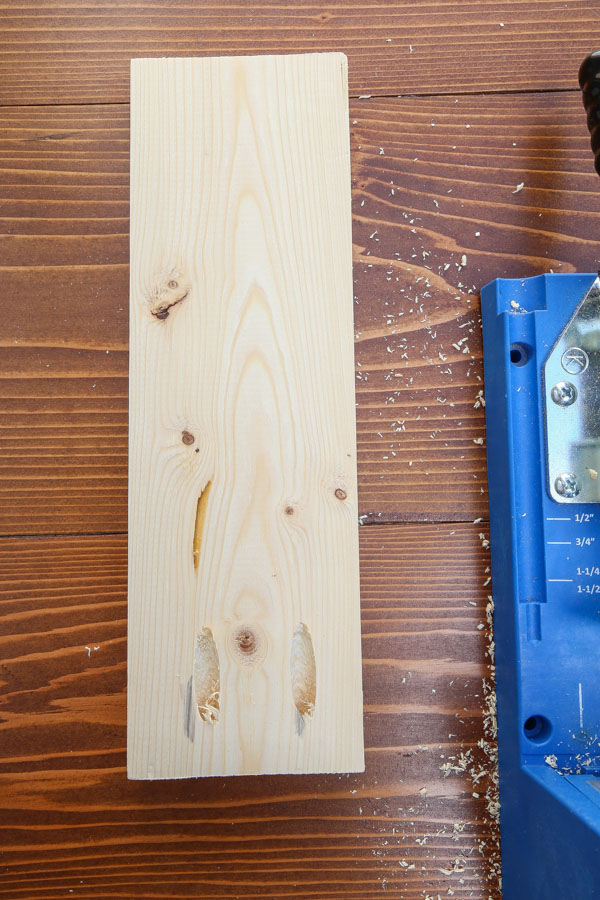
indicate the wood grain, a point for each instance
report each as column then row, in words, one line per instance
column 71, row 821
column 72, row 824
column 244, row 607
column 69, row 51
column 455, row 164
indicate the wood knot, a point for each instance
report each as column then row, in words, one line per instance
column 248, row 644
column 187, row 437
column 289, row 510
column 340, row 493
column 246, row 641
column 167, row 291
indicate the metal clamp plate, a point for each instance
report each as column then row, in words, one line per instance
column 572, row 400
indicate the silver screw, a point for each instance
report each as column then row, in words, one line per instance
column 567, row 485
column 564, row 393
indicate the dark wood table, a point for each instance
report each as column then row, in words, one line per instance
column 470, row 160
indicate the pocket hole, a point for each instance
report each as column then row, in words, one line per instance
column 304, row 672
column 207, row 678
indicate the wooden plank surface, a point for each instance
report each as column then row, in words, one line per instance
column 69, row 51
column 417, row 822
column 434, row 180
column 244, row 607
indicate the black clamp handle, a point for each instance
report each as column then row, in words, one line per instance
column 589, row 81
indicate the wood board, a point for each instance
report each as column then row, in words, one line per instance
column 244, row 629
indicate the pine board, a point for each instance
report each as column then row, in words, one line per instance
column 73, row 51
column 70, row 820
column 244, row 622
column 63, row 366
